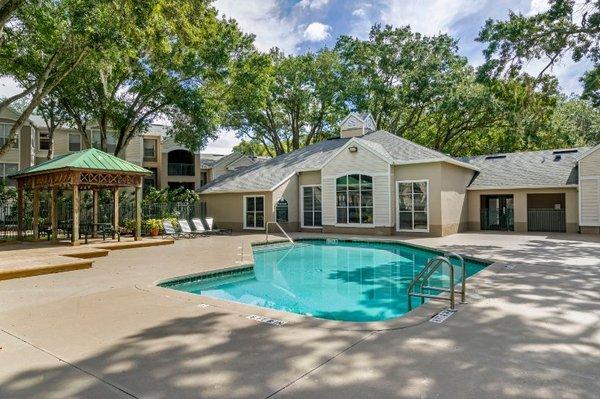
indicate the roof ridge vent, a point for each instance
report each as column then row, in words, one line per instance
column 566, row 151
column 499, row 156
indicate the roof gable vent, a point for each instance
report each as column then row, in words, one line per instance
column 355, row 125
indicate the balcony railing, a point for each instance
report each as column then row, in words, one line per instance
column 181, row 169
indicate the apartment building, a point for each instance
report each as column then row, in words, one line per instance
column 172, row 165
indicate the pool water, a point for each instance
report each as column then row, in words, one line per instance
column 339, row 280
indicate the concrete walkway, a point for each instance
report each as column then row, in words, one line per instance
column 531, row 329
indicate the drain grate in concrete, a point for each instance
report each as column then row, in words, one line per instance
column 442, row 316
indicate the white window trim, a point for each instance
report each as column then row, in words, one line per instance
column 69, row 141
column 398, row 229
column 39, row 135
column 361, row 225
column 302, row 207
column 264, row 212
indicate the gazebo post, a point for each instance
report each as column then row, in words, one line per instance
column 54, row 213
column 20, row 211
column 75, row 232
column 138, row 213
column 94, row 211
column 36, row 213
column 115, row 208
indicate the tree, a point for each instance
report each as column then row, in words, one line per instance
column 47, row 40
column 252, row 148
column 575, row 122
column 420, row 88
column 7, row 9
column 567, row 28
column 54, row 115
column 174, row 67
column 287, row 102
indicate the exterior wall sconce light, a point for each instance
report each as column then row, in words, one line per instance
column 353, row 148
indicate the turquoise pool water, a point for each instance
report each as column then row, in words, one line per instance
column 343, row 280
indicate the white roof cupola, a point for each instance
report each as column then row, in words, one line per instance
column 356, row 124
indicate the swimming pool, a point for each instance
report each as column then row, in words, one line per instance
column 331, row 279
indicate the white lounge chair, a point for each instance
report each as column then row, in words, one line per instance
column 210, row 223
column 185, row 229
column 169, row 230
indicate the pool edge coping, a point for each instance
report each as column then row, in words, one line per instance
column 416, row 316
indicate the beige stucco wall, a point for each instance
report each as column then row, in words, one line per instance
column 589, row 182
column 288, row 191
column 454, row 204
column 428, row 171
column 365, row 162
column 520, row 206
column 228, row 208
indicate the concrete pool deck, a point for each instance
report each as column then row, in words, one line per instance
column 531, row 329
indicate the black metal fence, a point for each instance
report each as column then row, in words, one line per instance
column 547, row 220
column 9, row 214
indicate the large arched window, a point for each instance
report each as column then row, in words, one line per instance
column 354, row 199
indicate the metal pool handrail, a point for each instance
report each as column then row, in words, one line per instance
column 463, row 283
column 424, row 275
column 280, row 228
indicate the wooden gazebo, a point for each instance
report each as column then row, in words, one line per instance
column 91, row 170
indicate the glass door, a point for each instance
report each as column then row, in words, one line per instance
column 254, row 210
column 497, row 212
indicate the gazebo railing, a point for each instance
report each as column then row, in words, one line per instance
column 9, row 218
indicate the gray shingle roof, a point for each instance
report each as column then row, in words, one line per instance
column 526, row 169
column 264, row 176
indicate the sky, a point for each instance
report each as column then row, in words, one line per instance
column 298, row 26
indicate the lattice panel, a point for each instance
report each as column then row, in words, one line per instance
column 108, row 179
column 61, row 179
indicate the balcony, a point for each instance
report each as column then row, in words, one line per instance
column 181, row 169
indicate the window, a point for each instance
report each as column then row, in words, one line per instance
column 150, row 180
column 254, row 212
column 74, row 142
column 413, row 205
column 311, row 206
column 5, row 134
column 203, row 178
column 149, row 150
column 44, row 141
column 354, row 201
column 281, row 211
column 111, row 142
column 7, row 169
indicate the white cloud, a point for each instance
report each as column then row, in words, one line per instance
column 264, row 19
column 317, row 32
column 538, row 6
column 313, row 4
column 359, row 12
column 431, row 17
column 224, row 144
column 8, row 87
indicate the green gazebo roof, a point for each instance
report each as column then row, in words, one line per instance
column 91, row 159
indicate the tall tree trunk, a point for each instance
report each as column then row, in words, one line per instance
column 51, row 131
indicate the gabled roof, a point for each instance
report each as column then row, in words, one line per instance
column 90, row 159
column 267, row 175
column 587, row 152
column 227, row 160
column 548, row 168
